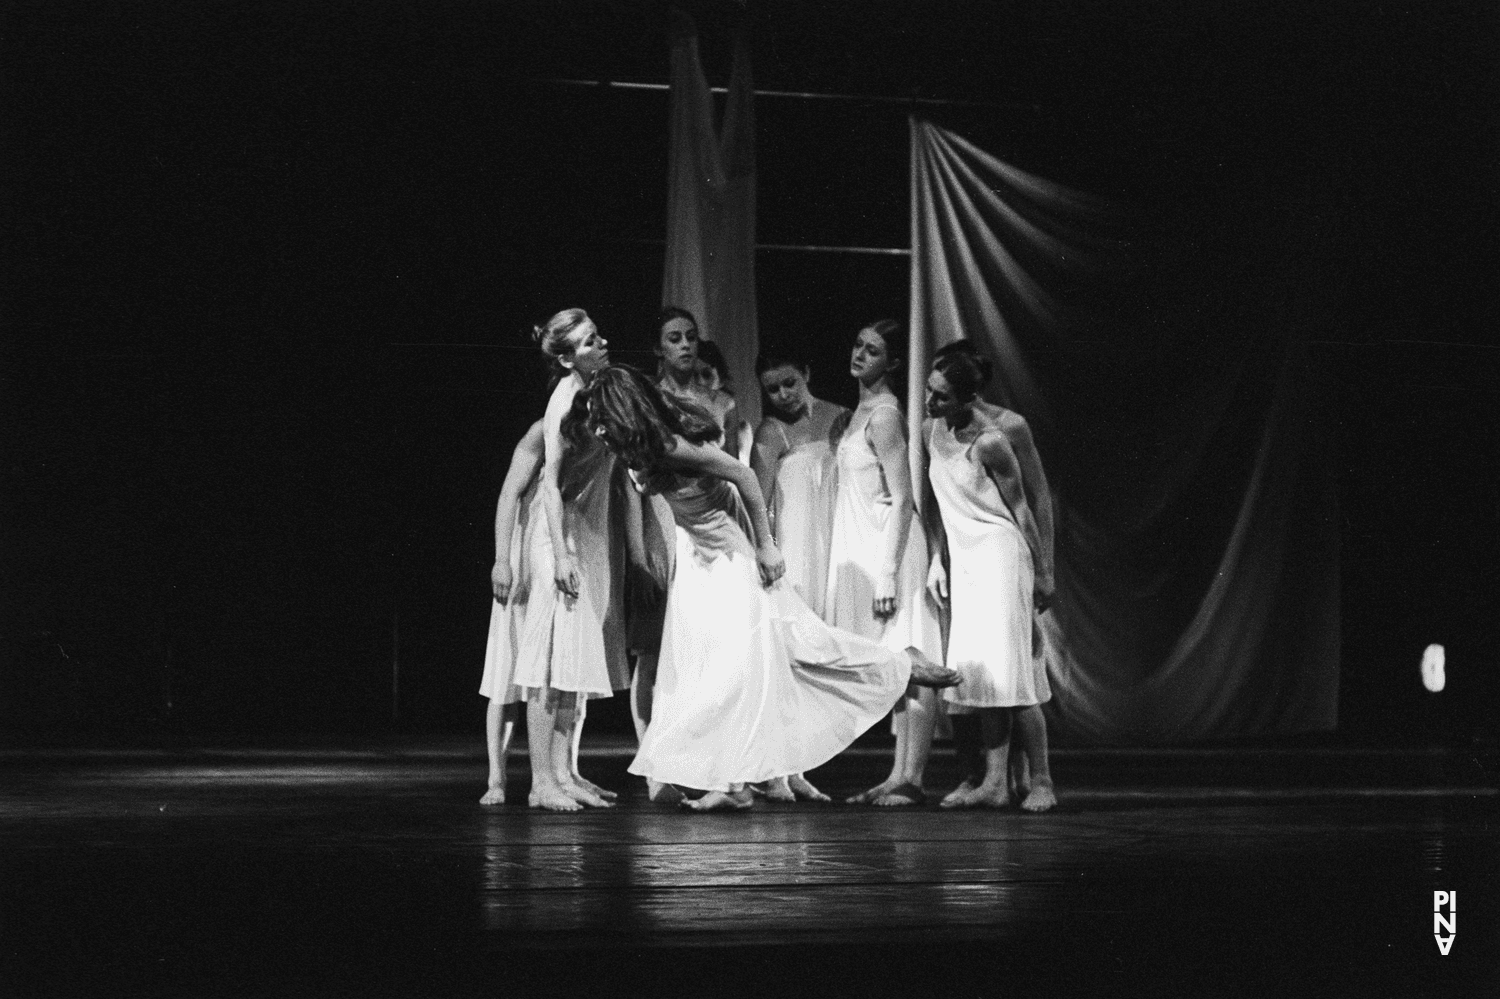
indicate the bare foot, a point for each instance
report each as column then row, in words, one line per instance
column 959, row 796
column 715, row 801
column 804, row 790
column 865, row 797
column 775, row 789
column 1020, row 775
column 903, row 795
column 584, row 796
column 494, row 796
column 663, row 794
column 988, row 796
column 926, row 673
column 593, row 788
column 553, row 799
column 1041, row 797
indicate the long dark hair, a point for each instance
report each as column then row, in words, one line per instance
column 623, row 408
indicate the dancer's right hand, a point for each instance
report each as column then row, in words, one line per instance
column 566, row 575
column 937, row 580
column 500, row 582
column 772, row 565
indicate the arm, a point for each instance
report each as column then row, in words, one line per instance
column 887, row 436
column 998, row 455
column 525, row 463
column 765, row 459
column 700, row 460
column 932, row 524
column 1039, row 499
column 565, row 567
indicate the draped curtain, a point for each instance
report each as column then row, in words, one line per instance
column 710, row 255
column 1177, row 418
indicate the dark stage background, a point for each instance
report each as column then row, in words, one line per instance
column 269, row 271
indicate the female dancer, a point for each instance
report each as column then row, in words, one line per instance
column 878, row 553
column 752, row 685
column 573, row 642
column 511, row 582
column 680, row 372
column 997, row 518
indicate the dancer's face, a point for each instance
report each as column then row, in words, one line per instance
column 678, row 346
column 590, row 350
column 942, row 401
column 870, row 359
column 786, row 387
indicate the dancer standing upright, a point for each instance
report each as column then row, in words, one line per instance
column 752, row 685
column 997, row 521
column 680, row 372
column 573, row 643
column 878, row 552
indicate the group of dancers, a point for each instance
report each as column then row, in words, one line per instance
column 768, row 595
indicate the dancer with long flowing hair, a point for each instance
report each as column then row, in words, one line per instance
column 573, row 642
column 751, row 684
column 877, row 562
column 997, row 525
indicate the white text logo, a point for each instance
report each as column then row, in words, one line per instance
column 1445, row 919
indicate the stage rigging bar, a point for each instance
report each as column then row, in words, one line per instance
column 814, row 96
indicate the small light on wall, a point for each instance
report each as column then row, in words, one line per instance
column 1432, row 668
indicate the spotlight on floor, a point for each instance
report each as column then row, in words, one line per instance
column 1432, row 668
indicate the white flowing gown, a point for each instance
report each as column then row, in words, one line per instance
column 991, row 640
column 801, row 508
column 752, row 685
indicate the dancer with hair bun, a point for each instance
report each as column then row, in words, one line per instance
column 878, row 552
column 751, row 685
column 573, row 641
column 996, row 515
column 681, row 371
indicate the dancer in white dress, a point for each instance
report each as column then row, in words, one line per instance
column 573, row 640
column 752, row 685
column 793, row 461
column 997, row 521
column 510, row 579
column 877, row 560
column 682, row 373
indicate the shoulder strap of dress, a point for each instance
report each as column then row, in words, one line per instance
column 781, row 427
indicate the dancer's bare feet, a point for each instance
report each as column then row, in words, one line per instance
column 804, row 790
column 593, row 788
column 775, row 789
column 584, row 796
column 663, row 794
column 715, row 801
column 1041, row 797
column 926, row 673
column 553, row 798
column 988, row 796
column 903, row 795
column 494, row 796
column 866, row 797
column 959, row 796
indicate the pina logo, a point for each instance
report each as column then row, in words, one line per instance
column 1445, row 919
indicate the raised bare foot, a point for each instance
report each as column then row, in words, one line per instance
column 865, row 797
column 1041, row 797
column 804, row 790
column 593, row 788
column 494, row 796
column 903, row 795
column 926, row 673
column 959, row 796
column 775, row 789
column 663, row 794
column 716, row 801
column 553, row 799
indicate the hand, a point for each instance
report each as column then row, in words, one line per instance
column 772, row 565
column 937, row 580
column 884, row 606
column 565, row 575
column 500, row 582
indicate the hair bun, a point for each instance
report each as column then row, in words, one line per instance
column 536, row 334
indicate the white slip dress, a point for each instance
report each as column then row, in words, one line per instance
column 801, row 509
column 507, row 620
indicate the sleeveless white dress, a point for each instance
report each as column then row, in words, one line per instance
column 507, row 620
column 862, row 516
column 990, row 635
column 578, row 644
column 751, row 685
column 801, row 509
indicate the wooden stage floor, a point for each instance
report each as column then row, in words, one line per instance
column 1265, row 872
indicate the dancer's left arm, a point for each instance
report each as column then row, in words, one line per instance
column 998, row 453
column 1039, row 499
column 702, row 460
column 887, row 435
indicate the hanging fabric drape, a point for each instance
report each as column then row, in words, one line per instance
column 1197, row 539
column 710, row 251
